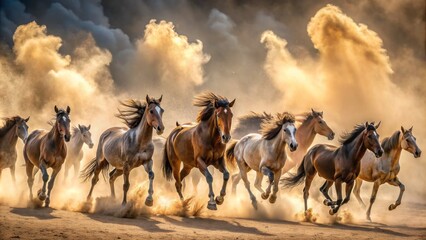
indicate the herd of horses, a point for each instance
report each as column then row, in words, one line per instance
column 269, row 144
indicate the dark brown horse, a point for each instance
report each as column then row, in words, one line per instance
column 128, row 148
column 47, row 149
column 337, row 164
column 14, row 128
column 201, row 145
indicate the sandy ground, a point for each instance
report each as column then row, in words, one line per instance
column 42, row 223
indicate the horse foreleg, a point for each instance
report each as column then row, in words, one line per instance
column 357, row 190
column 126, row 184
column 277, row 176
column 271, row 176
column 324, row 190
column 148, row 168
column 114, row 174
column 42, row 192
column 396, row 182
column 76, row 169
column 209, row 178
column 222, row 168
column 50, row 185
column 308, row 182
column 348, row 191
column 335, row 208
column 258, row 182
column 235, row 180
column 373, row 197
column 29, row 169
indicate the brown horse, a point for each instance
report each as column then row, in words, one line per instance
column 14, row 128
column 201, row 145
column 128, row 148
column 337, row 164
column 386, row 168
column 47, row 149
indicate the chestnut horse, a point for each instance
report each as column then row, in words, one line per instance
column 264, row 153
column 337, row 164
column 201, row 145
column 128, row 148
column 386, row 168
column 44, row 150
column 14, row 128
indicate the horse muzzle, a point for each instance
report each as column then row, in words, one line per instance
column 225, row 138
column 331, row 136
column 67, row 137
column 293, row 147
column 417, row 153
column 378, row 153
column 91, row 145
column 159, row 130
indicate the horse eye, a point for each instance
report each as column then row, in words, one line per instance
column 320, row 122
column 150, row 111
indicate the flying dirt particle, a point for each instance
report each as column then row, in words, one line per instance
column 35, row 203
column 344, row 217
column 307, row 216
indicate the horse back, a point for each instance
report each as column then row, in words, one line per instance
column 179, row 145
column 32, row 147
column 323, row 157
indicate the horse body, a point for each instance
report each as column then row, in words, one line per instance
column 201, row 145
column 14, row 128
column 81, row 135
column 125, row 149
column 265, row 154
column 337, row 164
column 386, row 168
column 47, row 149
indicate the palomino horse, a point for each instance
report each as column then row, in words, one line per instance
column 337, row 164
column 264, row 153
column 312, row 123
column 128, row 148
column 80, row 135
column 201, row 145
column 47, row 149
column 386, row 168
column 14, row 128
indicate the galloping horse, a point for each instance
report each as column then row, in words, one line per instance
column 264, row 153
column 312, row 124
column 201, row 145
column 337, row 164
column 80, row 135
column 386, row 168
column 45, row 149
column 14, row 128
column 128, row 148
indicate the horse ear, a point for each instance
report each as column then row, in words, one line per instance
column 28, row 118
column 161, row 98
column 56, row 109
column 402, row 129
column 313, row 112
column 88, row 127
column 216, row 105
column 68, row 109
column 147, row 99
column 322, row 113
column 411, row 129
column 378, row 125
column 79, row 127
column 366, row 124
column 231, row 104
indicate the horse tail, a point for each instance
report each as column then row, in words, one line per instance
column 296, row 179
column 167, row 167
column 230, row 155
column 90, row 169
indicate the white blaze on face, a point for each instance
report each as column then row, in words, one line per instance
column 158, row 110
column 226, row 111
column 292, row 129
column 64, row 118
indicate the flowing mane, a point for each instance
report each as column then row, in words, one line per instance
column 348, row 137
column 132, row 113
column 272, row 126
column 9, row 123
column 392, row 142
column 254, row 118
column 207, row 100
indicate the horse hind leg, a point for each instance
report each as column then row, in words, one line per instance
column 324, row 190
column 373, row 198
column 243, row 174
column 126, row 184
column 235, row 180
column 148, row 168
column 113, row 175
column 29, row 170
column 95, row 178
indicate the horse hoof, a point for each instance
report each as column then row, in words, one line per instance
column 219, row 200
column 369, row 218
column 392, row 207
column 212, row 206
column 332, row 211
column 264, row 196
column 41, row 195
column 149, row 202
column 254, row 203
column 272, row 199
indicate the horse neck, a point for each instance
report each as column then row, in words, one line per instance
column 356, row 149
column 55, row 137
column 395, row 153
column 211, row 126
column 278, row 145
column 77, row 141
column 305, row 135
column 10, row 138
column 144, row 131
